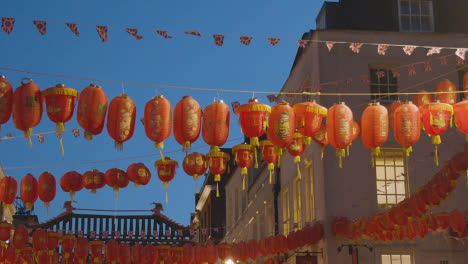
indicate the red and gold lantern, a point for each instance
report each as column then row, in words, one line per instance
column 448, row 95
column 125, row 256
column 28, row 190
column 269, row 155
column 457, row 221
column 112, row 251
column 296, row 149
column 215, row 129
column 5, row 232
column 47, row 188
column 422, row 98
column 253, row 118
column 321, row 138
column 60, row 105
column 158, row 121
column 27, row 107
column 374, row 128
column 26, row 255
column 121, row 119
column 92, row 108
column 407, row 126
column 116, row 179
column 93, row 180
column 461, row 116
column 8, row 190
column 217, row 162
column 53, row 240
column 71, row 182
column 391, row 112
column 39, row 240
column 137, row 253
column 6, row 100
column 81, row 250
column 243, row 154
column 187, row 122
column 281, row 125
column 139, row 174
column 149, row 254
column 96, row 247
column 195, row 164
column 20, row 237
column 166, row 171
column 309, row 116
column 435, row 118
column 68, row 245
column 340, row 129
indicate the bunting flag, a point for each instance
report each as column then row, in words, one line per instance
column 330, row 45
column 105, row 234
column 355, row 47
column 41, row 26
column 143, row 234
column 192, row 232
column 102, row 32
column 305, row 89
column 74, row 28
column 155, row 233
column 461, row 53
column 433, row 51
column 70, row 232
column 427, row 66
column 167, row 232
column 302, row 43
column 179, row 232
column 117, row 234
column 163, row 33
column 409, row 50
column 40, row 137
column 272, row 98
column 245, row 40
column 443, row 60
column 396, row 72
column 235, row 105
column 318, row 87
column 349, row 81
column 204, row 231
column 216, row 229
column 80, row 233
column 76, row 132
column 382, row 49
column 193, row 32
column 365, row 78
column 460, row 61
column 92, row 234
column 335, row 83
column 9, row 136
column 134, row 33
column 411, row 70
column 218, row 39
column 273, row 41
column 289, row 95
column 130, row 234
column 8, row 23
column 380, row 74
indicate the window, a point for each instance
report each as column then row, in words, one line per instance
column 286, row 212
column 397, row 259
column 297, row 204
column 382, row 83
column 310, row 201
column 416, row 15
column 391, row 178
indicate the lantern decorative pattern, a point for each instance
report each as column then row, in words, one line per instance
column 407, row 126
column 93, row 180
column 321, row 138
column 158, row 121
column 269, row 155
column 391, row 112
column 243, row 156
column 60, row 105
column 195, row 164
column 340, row 129
column 435, row 118
column 296, row 149
column 81, row 250
column 218, row 163
column 253, row 118
column 6, row 100
column 5, row 233
column 27, row 107
column 448, row 95
column 96, row 248
column 187, row 122
column 374, row 128
column 309, row 116
column 39, row 240
column 116, row 179
column 68, row 245
column 215, row 129
column 281, row 125
column 28, row 190
column 8, row 190
column 166, row 171
column 71, row 182
column 356, row 134
column 20, row 237
column 461, row 116
column 139, row 174
column 47, row 188
column 422, row 98
column 92, row 108
column 121, row 119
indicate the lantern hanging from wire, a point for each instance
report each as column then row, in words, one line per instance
column 71, row 182
column 218, row 164
column 125, row 256
column 39, row 240
column 139, row 174
column 20, row 237
column 461, row 116
column 81, row 250
column 121, row 120
column 27, row 107
column 391, row 112
column 269, row 155
column 93, row 180
column 158, row 121
column 27, row 254
column 243, row 156
column 309, row 116
column 436, row 117
column 47, row 188
column 92, row 109
column 116, row 179
column 166, row 169
column 60, row 105
column 321, row 138
column 374, row 128
column 407, row 129
column 96, row 248
column 422, row 98
column 340, row 129
column 215, row 129
column 28, row 190
column 446, row 92
column 253, row 119
column 187, row 122
column 296, row 149
column 5, row 233
column 8, row 190
column 281, row 125
column 195, row 164
column 6, row 100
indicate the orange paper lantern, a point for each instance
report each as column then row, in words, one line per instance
column 81, row 250
column 407, row 126
column 8, row 190
column 39, row 239
column 137, row 253
column 253, row 118
column 125, row 256
column 269, row 155
column 53, row 240
column 187, row 122
column 457, row 221
column 215, row 129
column 6, row 100
column 158, row 121
column 166, row 171
column 321, row 138
column 461, row 116
column 5, row 232
column 71, row 182
column 96, row 248
column 296, row 149
column 92, row 108
column 449, row 95
column 195, row 164
column 26, row 255
column 217, row 162
column 47, row 188
column 243, row 154
column 93, row 180
column 112, row 251
column 121, row 119
column 391, row 112
column 340, row 129
column 309, row 116
column 116, row 179
column 28, row 190
column 374, row 127
column 139, row 174
column 422, row 98
column 20, row 237
column 281, row 125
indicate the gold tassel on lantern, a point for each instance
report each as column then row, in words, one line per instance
column 116, row 190
column 408, row 150
column 118, row 145
column 28, row 134
column 271, row 167
column 88, row 135
column 322, row 149
column 340, row 153
column 256, row 161
column 159, row 146
column 59, row 129
column 375, row 153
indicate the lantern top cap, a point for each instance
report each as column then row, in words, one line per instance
column 60, row 89
column 218, row 154
column 95, row 85
column 158, row 96
column 166, row 160
column 253, row 100
column 2, row 77
column 26, row 79
column 242, row 146
column 60, row 85
column 186, row 96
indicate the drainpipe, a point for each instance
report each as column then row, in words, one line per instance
column 276, row 193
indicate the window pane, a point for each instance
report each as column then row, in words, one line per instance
column 400, row 187
column 426, row 7
column 381, row 187
column 426, row 23
column 405, row 23
column 399, row 173
column 391, row 187
column 405, row 259
column 380, row 171
column 390, row 172
column 391, row 199
column 386, row 259
column 381, row 199
column 400, row 198
column 380, row 160
column 415, row 8
column 404, row 7
column 415, row 23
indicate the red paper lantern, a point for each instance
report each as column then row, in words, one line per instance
column 296, row 149
column 211, row 255
column 39, row 239
column 42, row 257
column 253, row 118
column 166, row 171
column 47, row 188
column 60, row 105
column 8, row 189
column 269, row 155
column 121, row 120
column 93, row 180
column 374, row 124
column 116, row 179
column 195, row 164
column 407, row 126
column 139, row 174
column 81, row 250
column 158, row 121
column 391, row 112
column 321, row 138
column 465, row 84
column 149, row 254
column 6, row 100
column 92, row 108
column 397, row 216
column 457, row 221
column 422, row 98
column 20, row 237
column 137, row 253
column 309, row 116
column 435, row 118
column 217, row 162
column 461, row 116
column 224, row 251
column 28, row 191
column 71, row 182
column 68, row 244
column 53, row 240
column 244, row 158
column 5, row 232
column 187, row 122
column 340, row 129
column 112, row 251
column 27, row 107
column 449, row 96
column 215, row 130
column 340, row 226
column 252, row 249
column 281, row 125
column 11, row 255
column 26, row 255
column 162, row 252
column 96, row 247
column 124, row 253
column 443, row 220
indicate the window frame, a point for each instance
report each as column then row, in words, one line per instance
column 397, row 253
column 297, row 204
column 461, row 71
column 381, row 95
column 286, row 213
column 310, row 195
column 410, row 15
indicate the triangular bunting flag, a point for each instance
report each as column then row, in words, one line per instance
column 396, row 72
column 134, row 33
column 41, row 26
column 365, row 78
column 408, row 50
column 349, row 81
column 382, row 49
column 272, row 98
column 102, row 32
column 433, row 51
column 355, row 47
column 76, row 132
column 460, row 61
column 443, row 60
column 318, row 87
column 461, row 53
column 74, row 28
column 163, row 33
column 245, row 40
column 380, row 74
column 40, row 137
column 302, row 43
column 193, row 32
column 218, row 40
column 273, row 41
column 427, row 66
column 8, row 23
column 411, row 70
column 235, row 105
column 330, row 45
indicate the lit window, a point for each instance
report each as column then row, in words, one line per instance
column 416, row 15
column 382, row 83
column 391, row 178
column 310, row 201
column 397, row 259
column 297, row 204
column 286, row 212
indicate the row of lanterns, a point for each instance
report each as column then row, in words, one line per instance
column 76, row 250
